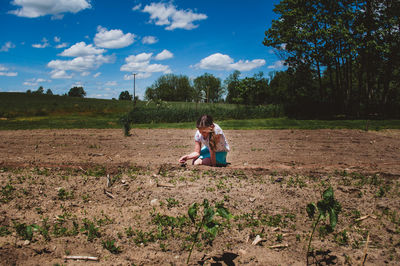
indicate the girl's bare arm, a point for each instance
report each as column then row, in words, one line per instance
column 193, row 155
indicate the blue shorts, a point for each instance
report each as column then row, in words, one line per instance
column 220, row 156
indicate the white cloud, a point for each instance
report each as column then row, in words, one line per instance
column 141, row 65
column 165, row 54
column 81, row 49
column 7, row 46
column 85, row 74
column 97, row 75
column 277, row 64
column 113, row 39
column 62, row 45
column 219, row 61
column 44, row 44
column 35, row 81
column 168, row 15
column 80, row 64
column 149, row 40
column 4, row 72
column 60, row 74
column 57, row 39
column 37, row 8
column 137, row 7
column 111, row 83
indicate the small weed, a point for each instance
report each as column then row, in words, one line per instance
column 64, row 194
column 110, row 246
column 342, row 238
column 90, row 229
column 7, row 193
column 171, row 202
column 327, row 206
column 4, row 231
column 25, row 231
column 205, row 222
column 129, row 232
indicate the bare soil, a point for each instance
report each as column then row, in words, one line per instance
column 71, row 192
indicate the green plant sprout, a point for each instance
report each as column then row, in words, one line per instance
column 327, row 206
column 206, row 221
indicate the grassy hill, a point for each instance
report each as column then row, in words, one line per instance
column 14, row 104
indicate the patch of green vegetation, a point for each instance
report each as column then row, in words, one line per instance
column 90, row 229
column 110, row 246
column 7, row 193
column 64, row 194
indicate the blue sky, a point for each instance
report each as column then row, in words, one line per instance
column 98, row 44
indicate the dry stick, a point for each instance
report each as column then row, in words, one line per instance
column 365, row 251
column 81, row 258
column 108, row 194
column 279, row 246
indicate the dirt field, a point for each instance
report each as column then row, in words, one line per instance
column 124, row 200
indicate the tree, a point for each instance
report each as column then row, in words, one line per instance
column 49, row 92
column 40, row 90
column 351, row 48
column 232, row 84
column 170, row 87
column 210, row 85
column 124, row 95
column 77, row 92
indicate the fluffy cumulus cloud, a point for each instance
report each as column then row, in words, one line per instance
column 163, row 14
column 277, row 64
column 113, row 39
column 81, row 64
column 165, row 54
column 38, row 8
column 82, row 49
column 149, row 40
column 141, row 65
column 7, row 46
column 219, row 61
column 4, row 71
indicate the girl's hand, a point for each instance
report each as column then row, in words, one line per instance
column 183, row 159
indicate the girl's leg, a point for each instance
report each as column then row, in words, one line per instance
column 205, row 161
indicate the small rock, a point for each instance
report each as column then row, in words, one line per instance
column 27, row 242
column 154, row 202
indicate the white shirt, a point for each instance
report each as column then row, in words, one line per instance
column 222, row 145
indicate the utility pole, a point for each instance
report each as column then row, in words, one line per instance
column 134, row 89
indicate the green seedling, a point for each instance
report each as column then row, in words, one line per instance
column 206, row 221
column 110, row 246
column 327, row 206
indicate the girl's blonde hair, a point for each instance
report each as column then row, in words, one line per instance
column 204, row 121
column 207, row 121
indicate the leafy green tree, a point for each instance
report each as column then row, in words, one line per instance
column 210, row 86
column 77, row 92
column 49, row 92
column 124, row 95
column 40, row 90
column 232, row 84
column 170, row 87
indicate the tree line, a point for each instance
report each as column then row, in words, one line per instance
column 73, row 92
column 343, row 56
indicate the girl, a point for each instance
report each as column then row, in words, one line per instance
column 215, row 147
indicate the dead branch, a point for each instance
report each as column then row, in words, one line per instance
column 109, row 194
column 279, row 246
column 81, row 258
